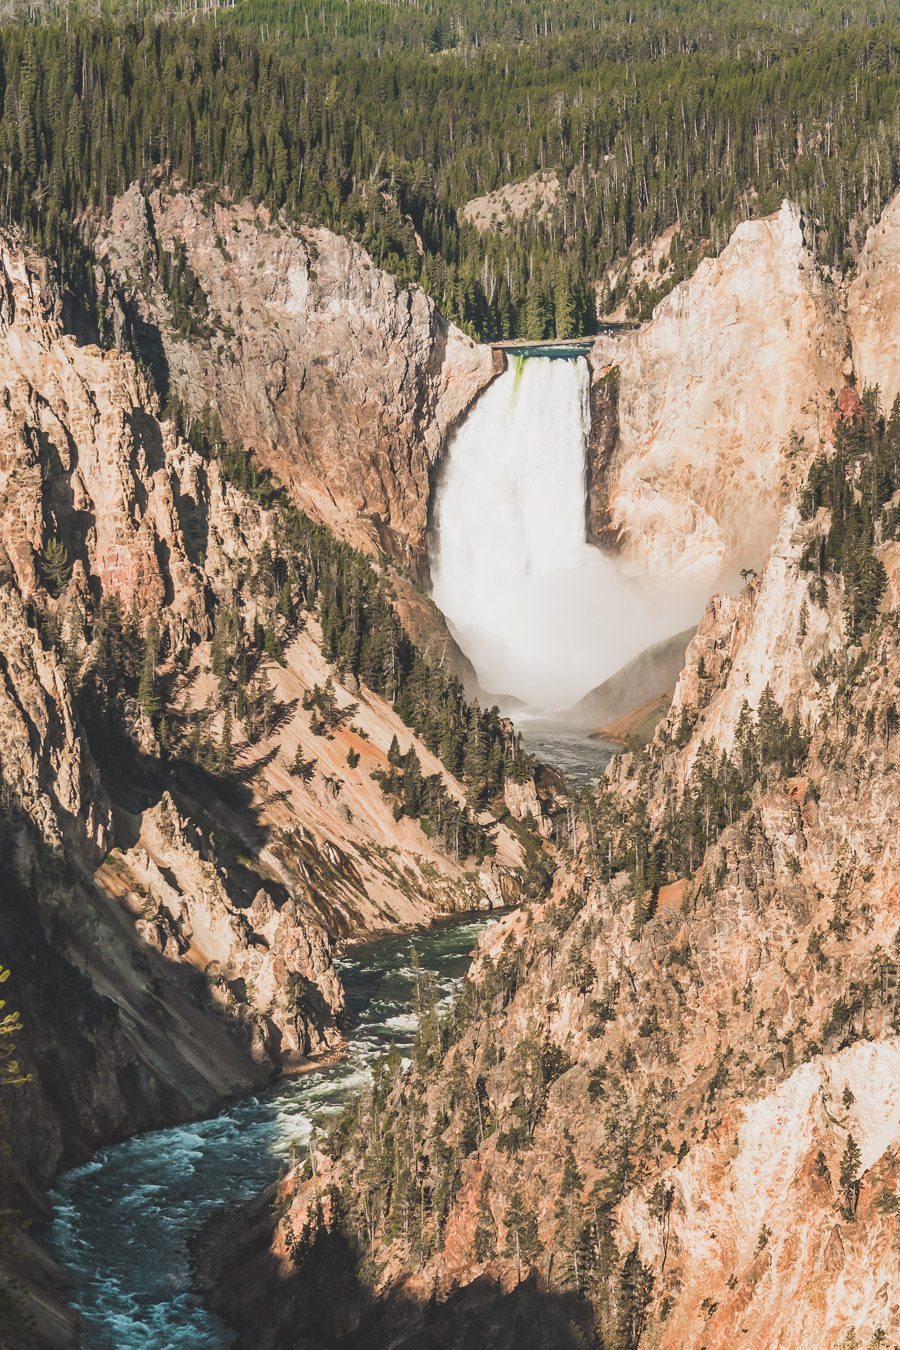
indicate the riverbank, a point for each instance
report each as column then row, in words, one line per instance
column 124, row 1222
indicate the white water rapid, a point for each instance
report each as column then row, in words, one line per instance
column 542, row 615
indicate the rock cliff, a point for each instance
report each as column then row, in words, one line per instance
column 746, row 352
column 873, row 306
column 341, row 380
column 193, row 810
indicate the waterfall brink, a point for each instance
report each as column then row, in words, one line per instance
column 542, row 615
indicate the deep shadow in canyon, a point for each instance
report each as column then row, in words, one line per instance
column 326, row 1301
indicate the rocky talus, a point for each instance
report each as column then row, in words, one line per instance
column 175, row 867
column 342, row 380
column 665, row 1112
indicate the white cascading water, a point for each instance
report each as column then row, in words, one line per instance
column 542, row 615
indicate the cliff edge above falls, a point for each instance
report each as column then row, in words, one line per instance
column 746, row 352
column 343, row 381
column 698, row 407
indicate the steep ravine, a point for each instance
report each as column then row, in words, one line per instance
column 190, row 818
column 665, row 1111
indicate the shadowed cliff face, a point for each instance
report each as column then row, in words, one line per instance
column 327, row 1298
column 342, row 381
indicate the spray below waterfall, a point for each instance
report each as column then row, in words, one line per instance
column 542, row 614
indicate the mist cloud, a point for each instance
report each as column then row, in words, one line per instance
column 542, row 615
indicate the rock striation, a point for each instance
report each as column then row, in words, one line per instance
column 747, row 352
column 873, row 306
column 341, row 380
column 171, row 930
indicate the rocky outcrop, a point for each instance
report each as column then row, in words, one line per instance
column 873, row 306
column 187, row 917
column 507, row 206
column 341, row 380
column 85, row 462
column 735, row 361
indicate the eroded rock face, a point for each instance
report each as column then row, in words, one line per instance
column 191, row 924
column 737, row 360
column 340, row 379
column 734, row 361
column 84, row 461
column 873, row 306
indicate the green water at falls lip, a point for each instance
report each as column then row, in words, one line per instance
column 123, row 1221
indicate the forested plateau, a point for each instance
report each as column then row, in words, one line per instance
column 384, row 121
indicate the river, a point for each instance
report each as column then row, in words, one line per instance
column 122, row 1222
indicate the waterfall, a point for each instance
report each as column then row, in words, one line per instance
column 542, row 615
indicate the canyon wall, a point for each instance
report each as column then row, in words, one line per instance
column 873, row 305
column 176, row 863
column 338, row 378
column 747, row 352
column 675, row 1112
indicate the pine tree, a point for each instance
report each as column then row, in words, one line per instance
column 851, row 1161
column 485, row 1227
column 148, row 694
column 226, row 743
column 564, row 309
column 55, row 566
column 635, row 1290
column 522, row 1239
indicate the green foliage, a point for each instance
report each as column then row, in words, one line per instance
column 15, row 1324
column 856, row 485
column 697, row 113
column 425, row 798
column 148, row 694
column 328, row 715
column 522, row 1238
column 303, row 768
column 190, row 307
column 11, row 1072
column 850, row 1179
column 305, row 568
column 119, row 678
column 55, row 566
column 635, row 1292
column 485, row 1227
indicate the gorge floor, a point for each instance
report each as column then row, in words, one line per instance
column 123, row 1222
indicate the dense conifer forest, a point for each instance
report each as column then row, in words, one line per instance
column 383, row 120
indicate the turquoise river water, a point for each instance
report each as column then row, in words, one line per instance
column 123, row 1221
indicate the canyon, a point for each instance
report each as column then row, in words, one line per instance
column 182, row 923
column 673, row 1076
column 174, row 907
column 671, row 1086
